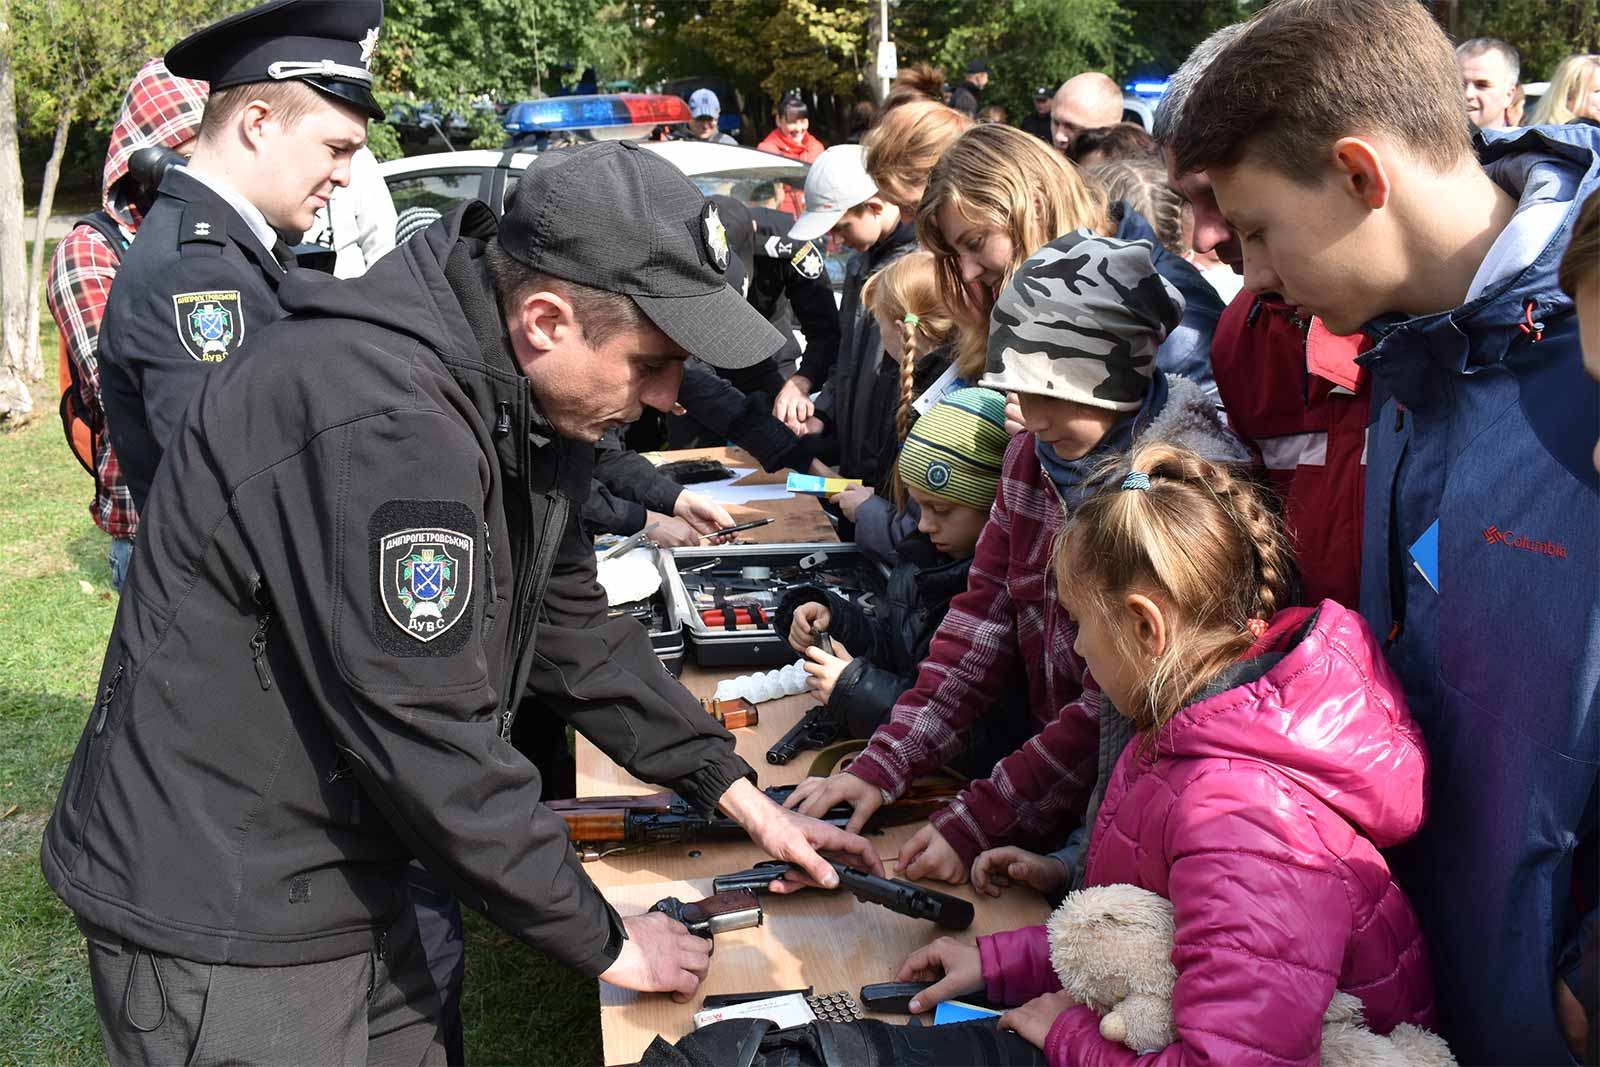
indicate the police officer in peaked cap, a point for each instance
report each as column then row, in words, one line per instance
column 291, row 93
column 360, row 578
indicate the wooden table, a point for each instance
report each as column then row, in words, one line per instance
column 826, row 940
column 799, row 518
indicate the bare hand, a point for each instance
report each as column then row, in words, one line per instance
column 823, row 670
column 849, row 502
column 671, row 532
column 796, row 839
column 954, row 967
column 929, row 855
column 811, row 425
column 808, row 619
column 1033, row 1020
column 701, row 512
column 1001, row 868
column 1573, row 1019
column 1013, row 414
column 815, row 796
column 793, row 405
column 660, row 956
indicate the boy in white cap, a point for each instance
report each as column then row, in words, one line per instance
column 842, row 199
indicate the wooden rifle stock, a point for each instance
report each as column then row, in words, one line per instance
column 626, row 822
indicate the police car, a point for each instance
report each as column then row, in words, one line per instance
column 440, row 180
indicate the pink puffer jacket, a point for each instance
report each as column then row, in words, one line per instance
column 1259, row 815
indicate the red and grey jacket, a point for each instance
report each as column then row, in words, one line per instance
column 1298, row 398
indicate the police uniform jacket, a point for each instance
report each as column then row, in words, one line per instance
column 358, row 555
column 191, row 289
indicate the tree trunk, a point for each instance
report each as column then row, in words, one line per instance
column 15, row 399
column 33, row 365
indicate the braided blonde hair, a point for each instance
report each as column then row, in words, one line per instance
column 1203, row 536
column 907, row 292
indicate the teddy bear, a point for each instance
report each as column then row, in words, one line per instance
column 1111, row 946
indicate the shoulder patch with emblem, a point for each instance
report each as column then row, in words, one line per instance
column 210, row 324
column 423, row 561
column 807, row 261
column 716, row 237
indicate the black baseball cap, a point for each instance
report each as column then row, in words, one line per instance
column 618, row 217
column 978, row 66
column 1044, row 92
column 327, row 44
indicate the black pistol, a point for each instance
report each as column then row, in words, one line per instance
column 906, row 898
column 755, row 879
column 819, row 728
column 736, row 910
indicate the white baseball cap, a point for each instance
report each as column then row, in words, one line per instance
column 704, row 103
column 837, row 182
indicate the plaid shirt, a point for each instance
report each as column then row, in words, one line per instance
column 1007, row 621
column 80, row 279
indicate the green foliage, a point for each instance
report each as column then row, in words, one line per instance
column 80, row 55
column 1545, row 32
column 1027, row 42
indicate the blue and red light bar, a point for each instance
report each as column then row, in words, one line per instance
column 596, row 112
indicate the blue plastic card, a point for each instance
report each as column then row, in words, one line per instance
column 1425, row 555
column 954, row 1011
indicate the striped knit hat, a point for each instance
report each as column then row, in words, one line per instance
column 956, row 450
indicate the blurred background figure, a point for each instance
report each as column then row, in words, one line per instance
column 1084, row 102
column 1573, row 96
column 1038, row 123
column 1489, row 71
column 705, row 110
column 967, row 97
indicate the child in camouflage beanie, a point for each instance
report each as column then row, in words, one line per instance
column 950, row 465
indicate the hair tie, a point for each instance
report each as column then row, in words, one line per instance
column 1257, row 628
column 911, row 319
column 1136, row 480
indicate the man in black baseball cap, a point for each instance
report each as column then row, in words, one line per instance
column 968, row 96
column 359, row 556
column 291, row 93
column 1038, row 123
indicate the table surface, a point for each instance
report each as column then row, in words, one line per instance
column 829, row 941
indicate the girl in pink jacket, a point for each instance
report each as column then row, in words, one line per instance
column 1274, row 757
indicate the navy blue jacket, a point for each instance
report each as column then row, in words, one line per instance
column 193, row 285
column 1483, row 430
column 1187, row 350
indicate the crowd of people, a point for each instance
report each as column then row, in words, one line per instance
column 1236, row 481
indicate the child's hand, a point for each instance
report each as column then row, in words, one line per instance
column 1001, row 868
column 1033, row 1020
column 929, row 855
column 1013, row 414
column 808, row 619
column 954, row 967
column 849, row 502
column 815, row 796
column 823, row 670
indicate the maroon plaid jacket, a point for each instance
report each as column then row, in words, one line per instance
column 158, row 109
column 1008, row 621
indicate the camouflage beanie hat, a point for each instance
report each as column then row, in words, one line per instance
column 1081, row 320
column 957, row 449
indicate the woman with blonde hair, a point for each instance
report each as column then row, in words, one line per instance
column 1574, row 93
column 905, row 144
column 996, row 196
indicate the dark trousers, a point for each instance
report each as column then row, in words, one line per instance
column 378, row 1007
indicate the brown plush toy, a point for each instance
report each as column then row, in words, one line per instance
column 1111, row 946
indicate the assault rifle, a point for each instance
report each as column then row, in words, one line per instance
column 905, row 898
column 602, row 826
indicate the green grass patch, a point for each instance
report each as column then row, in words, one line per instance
column 55, row 617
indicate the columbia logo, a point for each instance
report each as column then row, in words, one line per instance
column 1495, row 536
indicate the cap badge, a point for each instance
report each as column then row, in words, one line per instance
column 938, row 475
column 716, row 236
column 369, row 44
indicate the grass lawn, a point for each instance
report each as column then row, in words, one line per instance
column 55, row 614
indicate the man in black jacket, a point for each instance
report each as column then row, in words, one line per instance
column 357, row 557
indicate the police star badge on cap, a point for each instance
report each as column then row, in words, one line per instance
column 716, row 237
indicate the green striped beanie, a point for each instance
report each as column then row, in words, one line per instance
column 956, row 450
